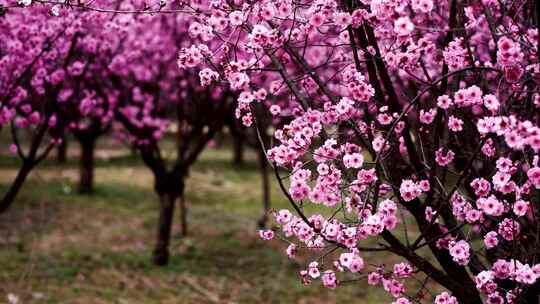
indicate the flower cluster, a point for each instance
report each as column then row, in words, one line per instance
column 409, row 190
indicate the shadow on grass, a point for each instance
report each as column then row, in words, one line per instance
column 211, row 158
column 117, row 161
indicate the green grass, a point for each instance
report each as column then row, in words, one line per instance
column 60, row 247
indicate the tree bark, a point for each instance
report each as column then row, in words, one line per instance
column 61, row 152
column 161, row 251
column 531, row 294
column 15, row 187
column 238, row 149
column 86, row 166
column 263, row 167
column 183, row 216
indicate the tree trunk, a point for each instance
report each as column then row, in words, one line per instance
column 531, row 294
column 166, row 212
column 183, row 216
column 86, row 166
column 61, row 152
column 263, row 167
column 12, row 192
column 238, row 149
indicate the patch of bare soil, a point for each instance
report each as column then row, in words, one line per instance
column 17, row 224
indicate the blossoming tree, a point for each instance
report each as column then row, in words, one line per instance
column 90, row 108
column 87, row 104
column 154, row 98
column 414, row 122
column 36, row 56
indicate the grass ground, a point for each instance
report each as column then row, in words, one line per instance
column 60, row 247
